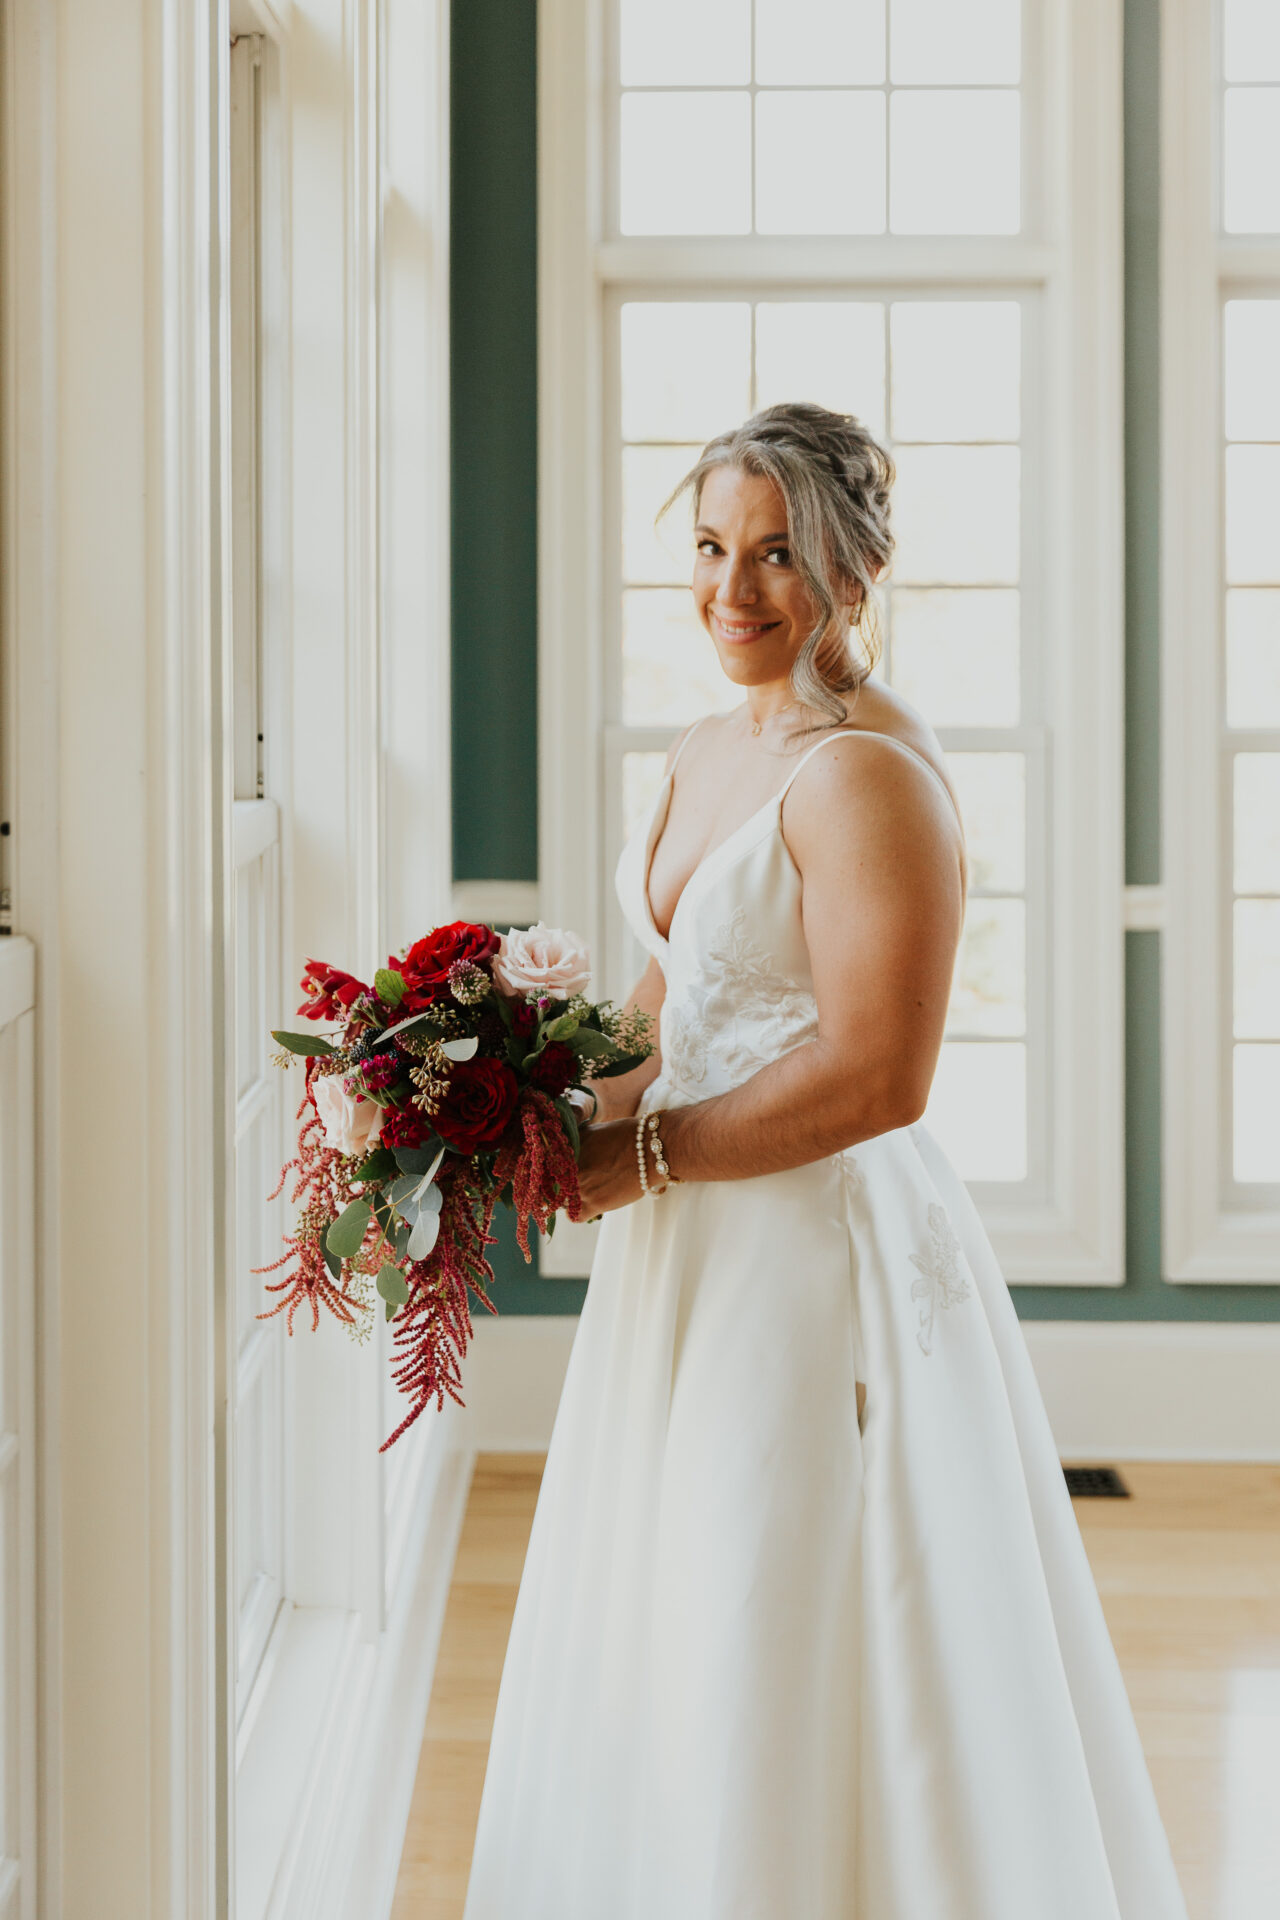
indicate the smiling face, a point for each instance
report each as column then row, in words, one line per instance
column 749, row 596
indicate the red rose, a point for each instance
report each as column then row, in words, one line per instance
column 555, row 1068
column 425, row 968
column 480, row 1101
column 329, row 993
column 524, row 1019
column 403, row 1127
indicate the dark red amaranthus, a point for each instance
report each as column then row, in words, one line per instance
column 433, row 1331
column 322, row 1190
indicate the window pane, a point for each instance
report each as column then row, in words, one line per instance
column 1257, row 969
column 641, row 778
column 820, row 163
column 830, row 351
column 955, row 369
column 1251, row 40
column 992, row 789
column 662, row 553
column 1252, row 368
column 669, row 43
column 830, row 43
column 686, row 369
column 1253, row 514
column 1253, row 658
column 954, row 163
column 939, row 41
column 954, row 654
column 978, row 1108
column 956, row 515
column 1251, row 160
column 989, row 994
column 670, row 673
column 1256, row 1141
column 686, row 163
column 1256, row 823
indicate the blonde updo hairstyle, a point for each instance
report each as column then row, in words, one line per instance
column 834, row 478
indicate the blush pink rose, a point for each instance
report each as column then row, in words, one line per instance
column 351, row 1124
column 543, row 961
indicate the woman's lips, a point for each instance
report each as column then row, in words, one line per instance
column 738, row 631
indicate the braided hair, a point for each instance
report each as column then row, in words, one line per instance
column 834, row 478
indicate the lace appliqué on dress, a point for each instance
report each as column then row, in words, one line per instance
column 941, row 1281
column 684, row 1048
column 766, row 1013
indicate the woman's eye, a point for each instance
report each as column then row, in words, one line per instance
column 707, row 547
column 781, row 556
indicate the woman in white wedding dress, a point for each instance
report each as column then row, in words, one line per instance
column 806, row 1629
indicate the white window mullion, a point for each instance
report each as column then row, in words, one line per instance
column 1221, row 1196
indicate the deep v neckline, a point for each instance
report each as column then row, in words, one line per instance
column 662, row 809
column 658, row 826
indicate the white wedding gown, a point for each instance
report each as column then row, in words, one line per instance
column 767, row 1665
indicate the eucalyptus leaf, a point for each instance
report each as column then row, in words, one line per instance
column 389, row 986
column 400, row 1026
column 392, row 1285
column 550, row 1227
column 623, row 1064
column 309, row 1044
column 333, row 1263
column 562, row 1028
column 570, row 1119
column 390, row 1309
column 346, row 1235
column 590, row 1045
column 400, row 1240
column 418, row 1159
column 424, row 1235
column 380, row 1165
column 460, row 1049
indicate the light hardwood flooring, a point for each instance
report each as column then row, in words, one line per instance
column 1189, row 1572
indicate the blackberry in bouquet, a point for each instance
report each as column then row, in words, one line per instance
column 451, row 1086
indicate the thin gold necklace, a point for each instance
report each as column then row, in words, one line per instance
column 756, row 725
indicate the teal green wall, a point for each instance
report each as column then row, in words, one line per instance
column 494, row 307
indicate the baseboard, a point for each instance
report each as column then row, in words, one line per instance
column 339, row 1855
column 1122, row 1390
column 1160, row 1389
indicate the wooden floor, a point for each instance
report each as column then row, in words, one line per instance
column 1189, row 1572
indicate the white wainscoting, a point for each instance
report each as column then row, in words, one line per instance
column 18, row 1768
column 1114, row 1390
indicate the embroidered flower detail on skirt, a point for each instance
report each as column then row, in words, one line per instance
column 684, row 1048
column 941, row 1281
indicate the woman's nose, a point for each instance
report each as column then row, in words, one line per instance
column 739, row 584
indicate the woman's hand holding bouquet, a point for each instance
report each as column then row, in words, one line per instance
column 448, row 1088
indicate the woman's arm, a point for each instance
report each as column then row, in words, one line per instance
column 878, row 847
column 619, row 1096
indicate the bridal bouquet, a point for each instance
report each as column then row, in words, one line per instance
column 448, row 1088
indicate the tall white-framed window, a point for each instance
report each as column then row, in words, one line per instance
column 909, row 211
column 1221, row 638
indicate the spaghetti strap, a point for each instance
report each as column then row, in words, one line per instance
column 689, row 733
column 843, row 733
column 839, row 733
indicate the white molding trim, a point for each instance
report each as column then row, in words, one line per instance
column 1068, row 1224
column 1159, row 1389
column 1113, row 1389
column 499, row 903
column 1204, row 1240
column 329, row 1766
column 1146, row 909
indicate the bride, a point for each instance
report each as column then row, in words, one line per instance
column 806, row 1629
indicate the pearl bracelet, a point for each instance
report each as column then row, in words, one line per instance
column 650, row 1120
